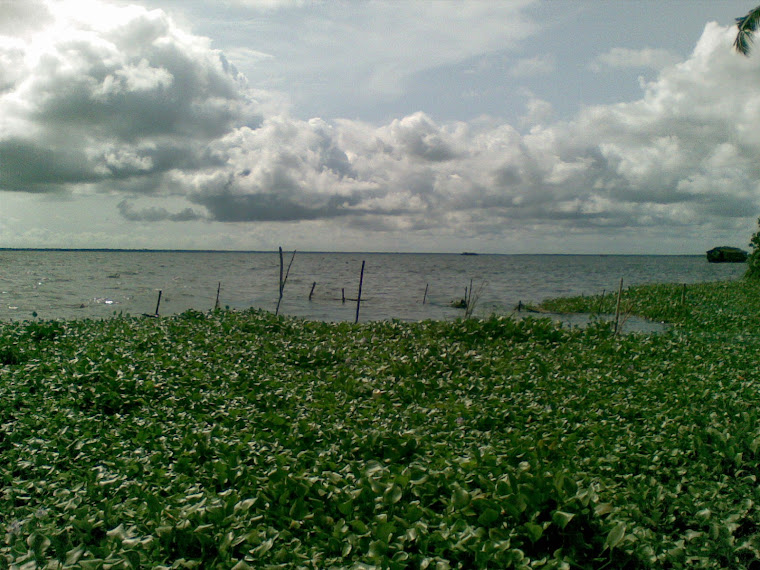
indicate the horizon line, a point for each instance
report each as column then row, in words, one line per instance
column 464, row 253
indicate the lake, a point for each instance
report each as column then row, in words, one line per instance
column 98, row 284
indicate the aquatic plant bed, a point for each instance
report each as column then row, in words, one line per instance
column 243, row 440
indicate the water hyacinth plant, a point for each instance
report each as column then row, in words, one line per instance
column 244, row 440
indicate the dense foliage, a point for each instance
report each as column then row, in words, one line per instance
column 753, row 262
column 241, row 439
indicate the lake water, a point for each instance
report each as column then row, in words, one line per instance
column 98, row 284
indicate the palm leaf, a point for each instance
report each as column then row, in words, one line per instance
column 747, row 26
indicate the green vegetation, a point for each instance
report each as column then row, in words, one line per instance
column 753, row 262
column 747, row 26
column 241, row 439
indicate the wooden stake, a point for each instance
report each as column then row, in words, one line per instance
column 617, row 308
column 312, row 290
column 683, row 294
column 218, row 288
column 281, row 267
column 342, row 295
column 279, row 289
column 359, row 296
column 158, row 303
column 424, row 297
column 283, row 279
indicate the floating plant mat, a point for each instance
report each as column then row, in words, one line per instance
column 237, row 439
column 628, row 323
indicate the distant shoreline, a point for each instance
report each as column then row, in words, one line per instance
column 145, row 250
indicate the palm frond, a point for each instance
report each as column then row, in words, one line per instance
column 747, row 25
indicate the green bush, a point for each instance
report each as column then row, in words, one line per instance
column 753, row 262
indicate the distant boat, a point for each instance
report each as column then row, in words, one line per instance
column 468, row 253
column 725, row 254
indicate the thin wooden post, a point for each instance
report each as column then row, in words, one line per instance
column 617, row 308
column 424, row 297
column 342, row 295
column 683, row 294
column 283, row 279
column 279, row 299
column 158, row 303
column 218, row 289
column 359, row 296
column 312, row 290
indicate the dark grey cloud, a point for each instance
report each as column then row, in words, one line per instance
column 28, row 166
column 273, row 207
column 155, row 214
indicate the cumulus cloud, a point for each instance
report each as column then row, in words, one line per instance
column 103, row 93
column 128, row 103
column 538, row 65
column 538, row 112
column 643, row 58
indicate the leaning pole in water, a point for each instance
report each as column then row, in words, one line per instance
column 359, row 296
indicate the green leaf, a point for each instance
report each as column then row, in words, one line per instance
column 603, row 509
column 73, row 555
column 534, row 531
column 392, row 494
column 38, row 543
column 488, row 517
column 298, row 509
column 615, row 536
column 460, row 498
column 377, row 549
column 562, row 519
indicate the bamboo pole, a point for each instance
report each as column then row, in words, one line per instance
column 359, row 296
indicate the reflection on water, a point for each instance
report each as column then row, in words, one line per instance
column 97, row 284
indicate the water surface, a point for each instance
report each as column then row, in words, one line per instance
column 98, row 284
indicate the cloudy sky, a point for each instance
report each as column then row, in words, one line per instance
column 512, row 126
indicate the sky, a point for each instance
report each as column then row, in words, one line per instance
column 512, row 126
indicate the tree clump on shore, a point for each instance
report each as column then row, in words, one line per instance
column 753, row 261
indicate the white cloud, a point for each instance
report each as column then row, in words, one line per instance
column 322, row 42
column 538, row 112
column 137, row 108
column 538, row 65
column 638, row 58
